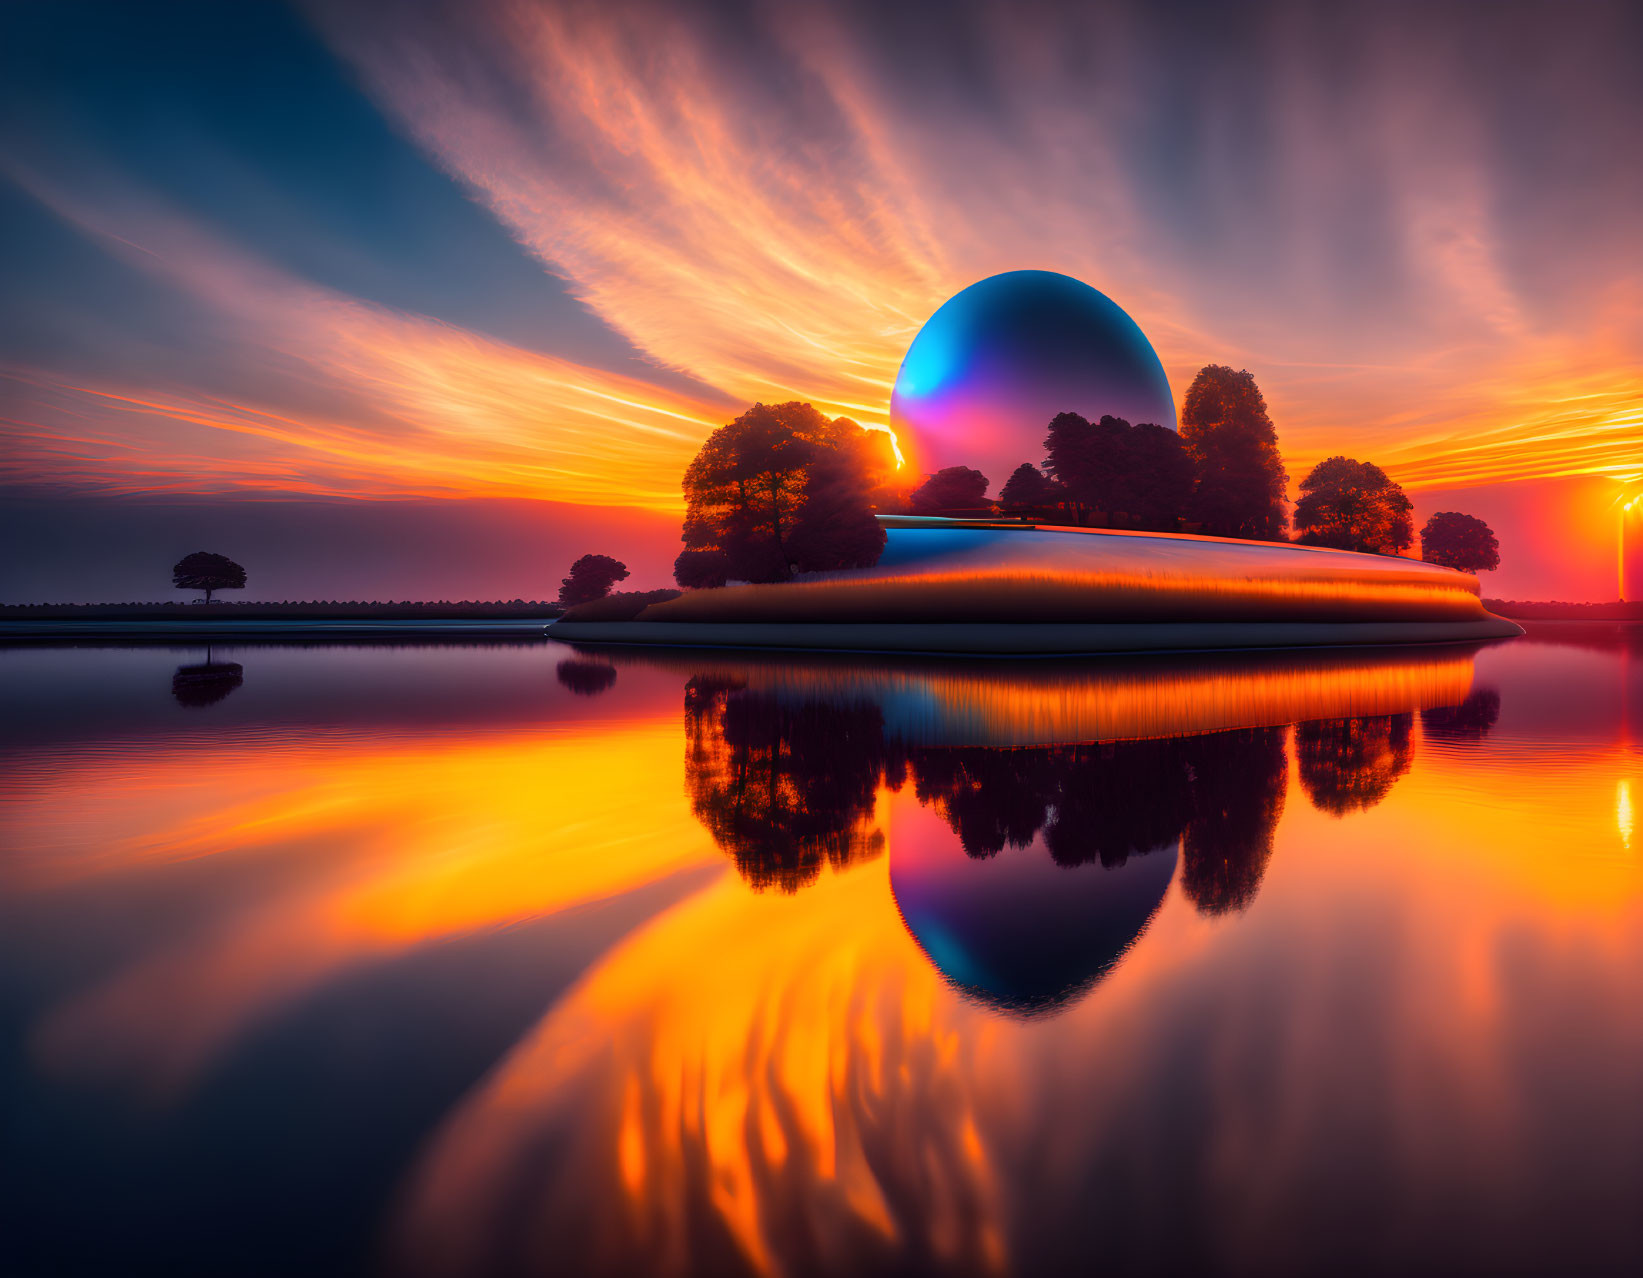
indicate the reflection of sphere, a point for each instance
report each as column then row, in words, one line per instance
column 988, row 371
column 1017, row 931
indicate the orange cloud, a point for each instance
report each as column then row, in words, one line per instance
column 777, row 213
column 790, row 241
column 413, row 406
column 701, row 230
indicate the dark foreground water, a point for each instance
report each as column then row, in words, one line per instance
column 520, row 959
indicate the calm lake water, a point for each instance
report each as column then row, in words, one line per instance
column 525, row 959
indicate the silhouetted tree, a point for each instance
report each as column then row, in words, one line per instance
column 746, row 490
column 1239, row 783
column 591, row 577
column 1136, row 476
column 1466, row 723
column 955, row 488
column 1066, row 453
column 585, row 678
column 1353, row 505
column 835, row 527
column 1352, row 764
column 1460, row 541
column 743, row 488
column 1239, row 479
column 698, row 569
column 208, row 572
column 1082, row 457
column 1155, row 488
column 1028, row 489
column 783, row 788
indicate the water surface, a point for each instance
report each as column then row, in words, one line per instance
column 517, row 958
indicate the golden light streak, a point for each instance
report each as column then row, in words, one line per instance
column 809, row 1065
column 806, row 1069
column 783, row 1082
column 409, row 843
column 1629, row 551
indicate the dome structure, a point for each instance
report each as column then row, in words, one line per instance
column 999, row 359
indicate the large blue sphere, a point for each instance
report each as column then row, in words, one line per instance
column 985, row 375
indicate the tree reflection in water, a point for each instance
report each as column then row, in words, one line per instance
column 808, row 1083
column 1466, row 723
column 1013, row 880
column 585, row 678
column 783, row 787
column 207, row 683
column 1350, row 765
column 991, row 798
column 1238, row 784
column 788, row 782
column 1105, row 802
column 1119, row 799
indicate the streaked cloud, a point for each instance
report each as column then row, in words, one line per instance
column 1421, row 244
column 391, row 403
column 775, row 204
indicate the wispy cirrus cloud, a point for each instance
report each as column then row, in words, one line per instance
column 350, row 398
column 1417, row 238
column 776, row 201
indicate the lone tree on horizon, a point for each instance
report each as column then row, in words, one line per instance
column 1460, row 541
column 1228, row 433
column 591, row 577
column 208, row 572
column 1353, row 505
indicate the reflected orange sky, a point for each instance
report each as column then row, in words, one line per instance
column 772, row 1079
column 811, row 1069
column 380, row 851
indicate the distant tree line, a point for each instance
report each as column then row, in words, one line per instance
column 324, row 609
column 1561, row 610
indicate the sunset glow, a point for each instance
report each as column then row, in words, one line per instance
column 742, row 246
column 827, row 639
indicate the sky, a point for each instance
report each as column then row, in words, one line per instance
column 449, row 293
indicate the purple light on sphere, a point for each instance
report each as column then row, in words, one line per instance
column 998, row 360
